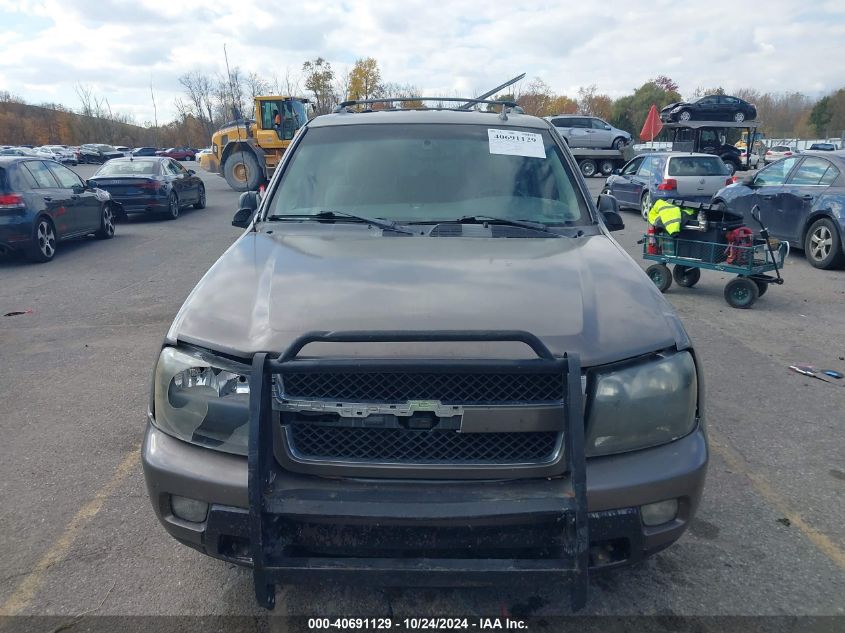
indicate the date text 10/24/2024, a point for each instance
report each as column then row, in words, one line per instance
column 416, row 624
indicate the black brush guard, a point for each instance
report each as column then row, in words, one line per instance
column 271, row 503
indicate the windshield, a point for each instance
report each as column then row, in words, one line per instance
column 104, row 148
column 129, row 168
column 430, row 172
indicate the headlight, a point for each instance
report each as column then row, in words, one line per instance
column 643, row 405
column 202, row 399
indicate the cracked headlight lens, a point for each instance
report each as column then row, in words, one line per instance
column 643, row 405
column 202, row 399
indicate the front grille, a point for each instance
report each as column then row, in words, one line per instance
column 405, row 446
column 448, row 388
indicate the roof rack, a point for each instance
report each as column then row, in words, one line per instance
column 467, row 103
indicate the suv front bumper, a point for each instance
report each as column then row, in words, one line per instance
column 617, row 486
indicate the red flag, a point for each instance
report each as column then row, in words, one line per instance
column 652, row 125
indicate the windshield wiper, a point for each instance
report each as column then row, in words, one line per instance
column 525, row 224
column 386, row 225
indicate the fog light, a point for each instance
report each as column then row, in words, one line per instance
column 189, row 509
column 659, row 513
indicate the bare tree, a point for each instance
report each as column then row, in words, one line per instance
column 256, row 86
column 200, row 91
column 342, row 84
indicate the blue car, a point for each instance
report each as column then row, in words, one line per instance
column 154, row 185
column 43, row 202
column 650, row 177
column 801, row 200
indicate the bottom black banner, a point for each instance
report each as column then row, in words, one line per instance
column 563, row 624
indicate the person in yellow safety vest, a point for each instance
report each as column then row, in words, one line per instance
column 668, row 216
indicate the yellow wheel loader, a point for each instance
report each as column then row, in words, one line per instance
column 246, row 152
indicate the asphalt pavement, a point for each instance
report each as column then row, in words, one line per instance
column 78, row 534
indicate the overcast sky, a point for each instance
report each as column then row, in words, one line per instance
column 48, row 46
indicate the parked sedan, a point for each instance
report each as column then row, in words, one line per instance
column 178, row 153
column 661, row 175
column 43, row 203
column 156, row 185
column 801, row 200
column 145, row 151
column 16, row 151
column 63, row 153
column 97, row 153
column 823, row 147
column 710, row 108
column 776, row 152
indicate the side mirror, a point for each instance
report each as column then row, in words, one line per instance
column 247, row 205
column 77, row 189
column 243, row 217
column 748, row 180
column 609, row 209
column 91, row 184
column 617, row 171
column 249, row 200
column 192, row 172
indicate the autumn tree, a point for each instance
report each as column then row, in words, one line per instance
column 667, row 84
column 629, row 113
column 561, row 104
column 593, row 104
column 365, row 80
column 319, row 79
column 537, row 99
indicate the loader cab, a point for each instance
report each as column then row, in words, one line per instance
column 292, row 115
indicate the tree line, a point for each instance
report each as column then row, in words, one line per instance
column 208, row 101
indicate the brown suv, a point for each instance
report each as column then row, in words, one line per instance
column 426, row 361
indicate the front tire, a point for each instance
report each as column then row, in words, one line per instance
column 200, row 204
column 732, row 168
column 684, row 115
column 44, row 249
column 739, row 117
column 242, row 172
column 106, row 230
column 823, row 246
column 618, row 143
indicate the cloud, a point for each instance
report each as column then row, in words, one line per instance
column 463, row 46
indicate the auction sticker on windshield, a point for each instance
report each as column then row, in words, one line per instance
column 514, row 143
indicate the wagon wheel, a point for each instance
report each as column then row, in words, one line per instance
column 686, row 276
column 741, row 292
column 660, row 275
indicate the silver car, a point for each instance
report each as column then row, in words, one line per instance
column 665, row 175
column 589, row 131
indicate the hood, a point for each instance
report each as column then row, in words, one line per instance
column 672, row 105
column 583, row 295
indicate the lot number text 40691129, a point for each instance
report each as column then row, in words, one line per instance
column 416, row 624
